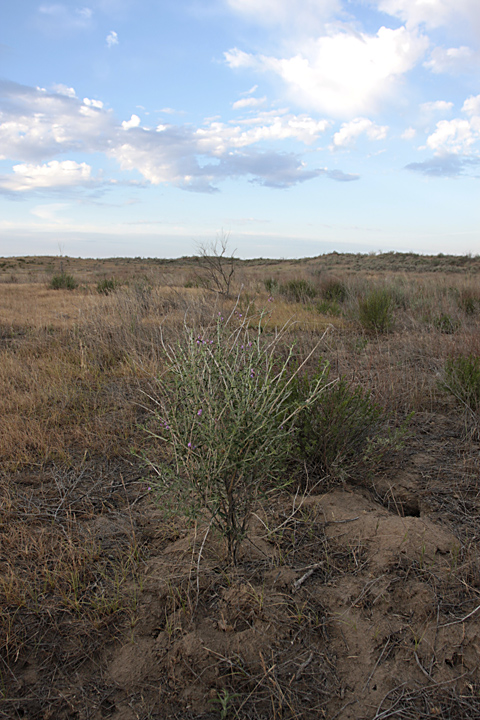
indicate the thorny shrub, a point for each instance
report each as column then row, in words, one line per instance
column 227, row 410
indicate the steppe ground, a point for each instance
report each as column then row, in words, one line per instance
column 356, row 595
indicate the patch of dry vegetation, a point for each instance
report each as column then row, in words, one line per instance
column 355, row 595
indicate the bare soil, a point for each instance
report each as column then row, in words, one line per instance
column 353, row 603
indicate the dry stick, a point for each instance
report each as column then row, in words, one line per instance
column 376, row 664
column 303, row 667
column 304, row 577
column 199, row 560
column 455, row 622
column 422, row 668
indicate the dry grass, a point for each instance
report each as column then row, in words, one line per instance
column 75, row 518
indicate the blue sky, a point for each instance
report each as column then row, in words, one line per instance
column 296, row 127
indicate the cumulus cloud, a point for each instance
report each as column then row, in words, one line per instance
column 54, row 174
column 471, row 106
column 343, row 74
column 37, row 125
column 132, row 123
column 349, row 132
column 112, row 39
column 452, row 136
column 64, row 90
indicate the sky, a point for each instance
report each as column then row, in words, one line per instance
column 293, row 128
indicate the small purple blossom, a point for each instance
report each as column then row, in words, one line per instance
column 200, row 411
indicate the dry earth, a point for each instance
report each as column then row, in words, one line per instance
column 352, row 603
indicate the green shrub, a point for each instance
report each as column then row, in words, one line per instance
column 375, row 311
column 334, row 289
column 468, row 301
column 63, row 281
column 343, row 430
column 462, row 379
column 329, row 307
column 446, row 324
column 271, row 285
column 299, row 290
column 226, row 408
column 106, row 286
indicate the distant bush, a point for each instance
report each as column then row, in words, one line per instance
column 462, row 379
column 468, row 301
column 334, row 289
column 446, row 324
column 299, row 290
column 106, row 286
column 329, row 307
column 271, row 285
column 375, row 310
column 63, row 281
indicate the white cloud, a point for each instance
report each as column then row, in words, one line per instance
column 218, row 137
column 343, row 74
column 437, row 106
column 64, row 90
column 306, row 14
column 452, row 136
column 53, row 174
column 112, row 39
column 349, row 132
column 432, row 13
column 451, row 60
column 132, row 123
column 409, row 133
column 62, row 16
column 471, row 106
column 49, row 212
column 93, row 103
column 37, row 125
column 248, row 102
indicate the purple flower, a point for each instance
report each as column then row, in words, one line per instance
column 200, row 411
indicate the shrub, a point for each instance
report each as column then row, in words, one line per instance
column 299, row 290
column 334, row 289
column 342, row 430
column 375, row 310
column 106, row 286
column 468, row 301
column 328, row 307
column 271, row 285
column 446, row 324
column 462, row 379
column 63, row 281
column 226, row 409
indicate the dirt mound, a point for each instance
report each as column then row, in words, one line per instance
column 337, row 608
